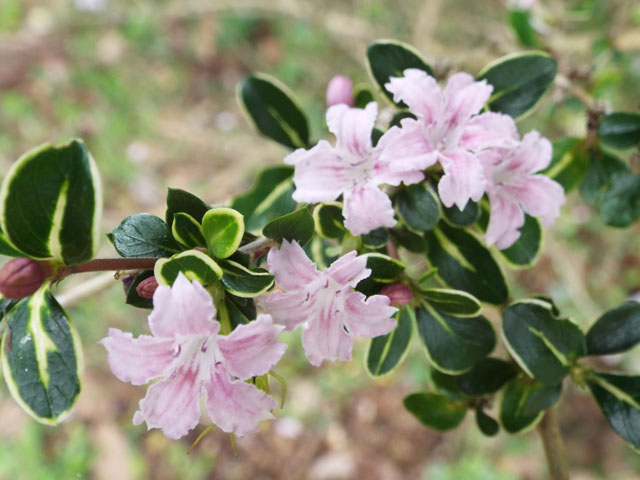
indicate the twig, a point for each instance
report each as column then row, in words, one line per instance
column 553, row 446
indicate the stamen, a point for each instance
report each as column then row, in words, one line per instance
column 200, row 437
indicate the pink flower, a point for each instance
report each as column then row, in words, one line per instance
column 190, row 358
column 340, row 90
column 352, row 168
column 449, row 128
column 513, row 188
column 325, row 302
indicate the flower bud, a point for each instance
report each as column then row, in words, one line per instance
column 398, row 293
column 22, row 277
column 147, row 287
column 340, row 90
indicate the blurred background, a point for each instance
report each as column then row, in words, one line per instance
column 150, row 86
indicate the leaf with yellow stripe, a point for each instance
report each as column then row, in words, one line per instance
column 42, row 358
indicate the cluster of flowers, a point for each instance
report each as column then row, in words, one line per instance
column 479, row 152
column 190, row 357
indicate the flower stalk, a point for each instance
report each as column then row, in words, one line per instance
column 553, row 446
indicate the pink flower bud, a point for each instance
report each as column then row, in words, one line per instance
column 340, row 90
column 398, row 293
column 22, row 277
column 147, row 287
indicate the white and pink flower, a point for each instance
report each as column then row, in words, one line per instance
column 189, row 358
column 513, row 188
column 449, row 129
column 325, row 302
column 352, row 168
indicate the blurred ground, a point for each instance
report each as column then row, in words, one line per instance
column 150, row 86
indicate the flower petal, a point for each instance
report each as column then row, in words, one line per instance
column 420, row 92
column 291, row 266
column 405, row 149
column 325, row 337
column 463, row 179
column 352, row 128
column 348, row 269
column 183, row 309
column 504, row 221
column 369, row 317
column 464, row 97
column 137, row 360
column 235, row 406
column 289, row 309
column 533, row 153
column 252, row 349
column 541, row 197
column 321, row 175
column 367, row 208
column 489, row 130
column 173, row 404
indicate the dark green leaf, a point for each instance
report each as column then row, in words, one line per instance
column 487, row 376
column 7, row 249
column 132, row 297
column 520, row 22
column 396, row 120
column 619, row 206
column 181, row 201
column 52, row 203
column 453, row 344
column 569, row 164
column 464, row 263
column 461, row 218
column 188, row 231
column 435, row 411
column 616, row 331
column 375, row 239
column 525, row 251
column 452, row 302
column 603, row 168
column 390, row 58
column 42, row 358
column 544, row 346
column 519, row 80
column 271, row 108
column 328, row 220
column 384, row 269
column 487, row 425
column 362, row 95
column 143, row 235
column 620, row 129
column 223, row 229
column 388, row 351
column 269, row 198
column 411, row 241
column 193, row 264
column 523, row 403
column 418, row 207
column 244, row 282
column 619, row 399
column 298, row 226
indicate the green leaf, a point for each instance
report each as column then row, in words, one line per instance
column 616, row 331
column 388, row 351
column 193, row 264
column 272, row 109
column 384, row 269
column 619, row 206
column 42, row 358
column 328, row 220
column 487, row 376
column 298, row 226
column 619, row 399
column 244, row 282
column 520, row 22
column 544, row 346
column 390, row 58
column 375, row 239
column 143, row 235
column 454, row 344
column 396, row 120
column 435, row 411
column 362, row 95
column 132, row 297
column 461, row 218
column 525, row 251
column 188, row 231
column 418, row 207
column 411, row 241
column 620, row 129
column 6, row 305
column 603, row 168
column 452, row 302
column 269, row 198
column 519, row 80
column 464, row 263
column 569, row 163
column 237, row 313
column 7, row 249
column 523, row 403
column 487, row 425
column 181, row 201
column 223, row 229
column 51, row 203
